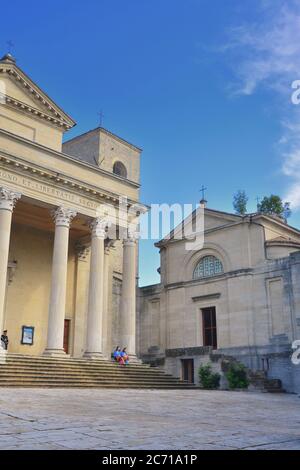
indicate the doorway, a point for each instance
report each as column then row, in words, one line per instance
column 209, row 325
column 67, row 335
column 187, row 367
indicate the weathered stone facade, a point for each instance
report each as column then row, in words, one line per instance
column 255, row 298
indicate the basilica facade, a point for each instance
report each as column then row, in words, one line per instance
column 68, row 246
column 238, row 295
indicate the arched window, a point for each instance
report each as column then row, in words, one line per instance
column 120, row 169
column 208, row 266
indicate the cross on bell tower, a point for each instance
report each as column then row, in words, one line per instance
column 101, row 116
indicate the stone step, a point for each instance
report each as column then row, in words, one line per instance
column 95, row 374
column 92, row 365
column 63, row 359
column 82, row 368
column 86, row 378
column 261, row 382
column 33, row 371
column 97, row 369
column 71, row 380
column 87, row 383
column 106, row 386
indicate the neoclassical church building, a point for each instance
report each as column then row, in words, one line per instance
column 66, row 285
column 68, row 257
column 239, row 295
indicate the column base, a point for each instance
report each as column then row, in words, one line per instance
column 94, row 355
column 133, row 359
column 60, row 353
column 3, row 355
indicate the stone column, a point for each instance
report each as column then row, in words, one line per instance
column 106, row 293
column 95, row 304
column 55, row 340
column 81, row 298
column 128, row 297
column 8, row 200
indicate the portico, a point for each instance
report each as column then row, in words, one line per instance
column 62, row 227
column 92, row 232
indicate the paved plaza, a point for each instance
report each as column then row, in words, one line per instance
column 147, row 419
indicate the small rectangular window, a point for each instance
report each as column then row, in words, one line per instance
column 209, row 325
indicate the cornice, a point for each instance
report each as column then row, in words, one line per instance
column 21, row 106
column 35, row 92
column 65, row 156
column 63, row 181
column 211, row 279
column 288, row 243
column 110, row 134
column 164, row 242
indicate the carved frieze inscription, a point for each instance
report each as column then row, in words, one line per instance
column 32, row 187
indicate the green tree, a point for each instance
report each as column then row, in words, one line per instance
column 237, row 376
column 240, row 200
column 273, row 205
column 208, row 379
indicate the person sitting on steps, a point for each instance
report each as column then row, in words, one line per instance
column 124, row 359
column 4, row 340
column 117, row 354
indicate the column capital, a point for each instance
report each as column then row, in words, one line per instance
column 8, row 198
column 63, row 216
column 132, row 237
column 98, row 227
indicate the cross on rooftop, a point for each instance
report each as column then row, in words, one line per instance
column 203, row 189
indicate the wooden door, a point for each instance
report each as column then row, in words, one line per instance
column 67, row 336
column 188, row 370
column 209, row 323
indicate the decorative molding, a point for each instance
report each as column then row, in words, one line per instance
column 65, row 182
column 132, row 236
column 98, row 227
column 21, row 106
column 199, row 298
column 8, row 198
column 196, row 351
column 63, row 216
column 10, row 68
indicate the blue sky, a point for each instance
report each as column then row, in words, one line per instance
column 203, row 86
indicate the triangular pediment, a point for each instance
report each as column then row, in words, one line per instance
column 16, row 92
column 212, row 220
column 22, row 93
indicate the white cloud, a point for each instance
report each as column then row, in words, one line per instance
column 266, row 54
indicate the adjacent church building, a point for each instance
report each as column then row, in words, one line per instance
column 66, row 285
column 239, row 296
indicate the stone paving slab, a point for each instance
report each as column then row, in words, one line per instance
column 147, row 419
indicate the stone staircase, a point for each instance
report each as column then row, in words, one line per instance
column 259, row 381
column 33, row 371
